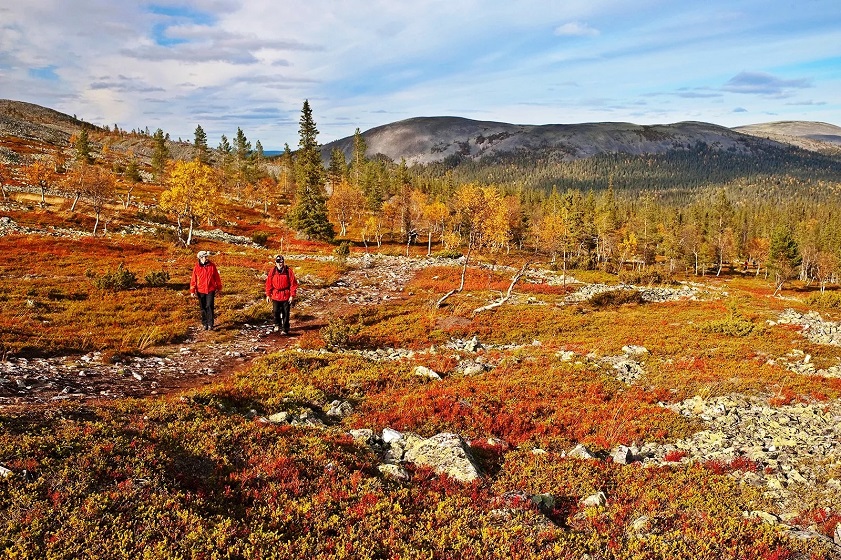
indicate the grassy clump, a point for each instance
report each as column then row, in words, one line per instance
column 116, row 280
column 824, row 300
column 338, row 333
column 157, row 278
column 613, row 298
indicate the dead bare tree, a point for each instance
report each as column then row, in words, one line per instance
column 463, row 273
column 507, row 295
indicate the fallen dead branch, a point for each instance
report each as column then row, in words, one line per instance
column 507, row 296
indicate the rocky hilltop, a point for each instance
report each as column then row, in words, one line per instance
column 815, row 136
column 32, row 122
column 431, row 139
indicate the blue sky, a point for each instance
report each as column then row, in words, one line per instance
column 250, row 64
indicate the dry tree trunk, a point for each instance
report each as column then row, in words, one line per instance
column 507, row 296
column 461, row 286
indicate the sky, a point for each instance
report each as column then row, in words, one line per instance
column 250, row 64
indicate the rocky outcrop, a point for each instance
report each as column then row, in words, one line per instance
column 445, row 453
column 650, row 294
column 813, row 326
column 775, row 447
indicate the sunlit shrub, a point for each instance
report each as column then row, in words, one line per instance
column 735, row 324
column 447, row 254
column 157, row 278
column 825, row 300
column 338, row 333
column 116, row 280
column 616, row 297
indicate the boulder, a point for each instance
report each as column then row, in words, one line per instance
column 423, row 371
column 340, row 409
column 445, row 453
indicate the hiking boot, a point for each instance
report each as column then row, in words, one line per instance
column 276, row 328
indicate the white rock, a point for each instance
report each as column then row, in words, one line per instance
column 390, row 436
column 423, row 371
column 595, row 500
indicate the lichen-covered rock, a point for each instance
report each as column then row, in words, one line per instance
column 445, row 453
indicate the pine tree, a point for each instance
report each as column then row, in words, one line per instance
column 82, row 147
column 358, row 160
column 338, row 167
column 784, row 256
column 200, row 149
column 309, row 216
column 160, row 154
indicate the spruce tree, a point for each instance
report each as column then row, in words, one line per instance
column 338, row 167
column 784, row 256
column 309, row 216
column 83, row 147
column 200, row 149
column 160, row 154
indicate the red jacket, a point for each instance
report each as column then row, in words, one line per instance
column 205, row 279
column 281, row 285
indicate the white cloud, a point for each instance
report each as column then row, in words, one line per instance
column 576, row 29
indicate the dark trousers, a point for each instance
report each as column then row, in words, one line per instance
column 206, row 302
column 280, row 311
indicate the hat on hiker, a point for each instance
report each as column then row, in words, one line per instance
column 203, row 254
column 278, row 258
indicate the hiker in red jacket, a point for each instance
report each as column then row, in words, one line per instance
column 281, row 287
column 204, row 284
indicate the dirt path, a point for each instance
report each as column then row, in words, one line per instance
column 204, row 357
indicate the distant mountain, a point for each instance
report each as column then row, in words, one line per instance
column 814, row 136
column 678, row 158
column 434, row 139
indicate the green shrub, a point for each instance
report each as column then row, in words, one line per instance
column 447, row 254
column 342, row 250
column 735, row 324
column 157, row 278
column 826, row 300
column 260, row 238
column 646, row 277
column 616, row 297
column 338, row 332
column 116, row 280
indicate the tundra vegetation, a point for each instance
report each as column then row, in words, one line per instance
column 100, row 264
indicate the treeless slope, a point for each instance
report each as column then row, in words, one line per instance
column 430, row 139
column 814, row 136
column 33, row 122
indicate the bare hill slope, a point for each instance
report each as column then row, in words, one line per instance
column 431, row 139
column 814, row 136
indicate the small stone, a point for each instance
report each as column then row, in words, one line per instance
column 423, row 371
column 580, row 452
column 595, row 500
column 395, row 472
column 389, row 436
column 622, row 455
column 279, row 418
